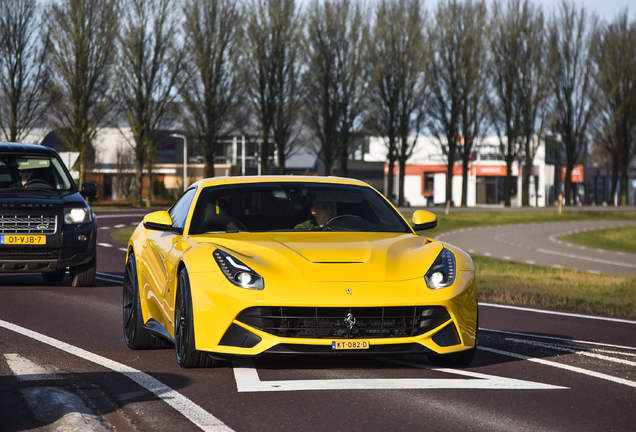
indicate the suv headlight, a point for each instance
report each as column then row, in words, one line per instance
column 77, row 215
column 442, row 272
column 237, row 272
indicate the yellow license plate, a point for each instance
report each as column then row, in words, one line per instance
column 22, row 239
column 350, row 344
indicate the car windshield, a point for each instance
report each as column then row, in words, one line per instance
column 33, row 172
column 287, row 206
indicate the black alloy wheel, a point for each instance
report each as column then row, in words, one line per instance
column 135, row 335
column 187, row 355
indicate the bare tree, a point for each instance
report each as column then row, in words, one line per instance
column 570, row 35
column 24, row 74
column 334, row 76
column 210, row 87
column 444, row 76
column 506, row 41
column 614, row 52
column 146, row 77
column 271, row 76
column 534, row 90
column 474, row 83
column 521, row 74
column 83, row 35
column 397, row 54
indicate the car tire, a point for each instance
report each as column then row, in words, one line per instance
column 135, row 335
column 57, row 276
column 187, row 355
column 83, row 275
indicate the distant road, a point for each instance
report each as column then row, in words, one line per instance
column 540, row 244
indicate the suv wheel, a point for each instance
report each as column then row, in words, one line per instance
column 83, row 275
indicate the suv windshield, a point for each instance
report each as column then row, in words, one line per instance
column 33, row 172
column 291, row 206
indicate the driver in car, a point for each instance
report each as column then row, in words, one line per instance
column 321, row 212
column 26, row 175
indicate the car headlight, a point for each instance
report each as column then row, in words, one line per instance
column 237, row 272
column 442, row 272
column 77, row 215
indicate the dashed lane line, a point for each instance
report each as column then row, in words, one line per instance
column 585, row 258
column 574, row 369
column 190, row 410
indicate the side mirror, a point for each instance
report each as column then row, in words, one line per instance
column 159, row 221
column 89, row 189
column 423, row 220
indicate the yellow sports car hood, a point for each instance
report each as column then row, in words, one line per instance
column 326, row 256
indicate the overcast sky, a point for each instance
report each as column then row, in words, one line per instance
column 605, row 9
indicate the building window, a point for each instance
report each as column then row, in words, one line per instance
column 429, row 182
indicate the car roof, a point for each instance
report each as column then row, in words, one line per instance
column 12, row 147
column 217, row 181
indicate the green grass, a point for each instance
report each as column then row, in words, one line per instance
column 618, row 239
column 523, row 284
column 122, row 235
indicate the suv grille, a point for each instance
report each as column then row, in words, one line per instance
column 335, row 322
column 28, row 224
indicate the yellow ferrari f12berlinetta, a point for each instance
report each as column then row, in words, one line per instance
column 283, row 265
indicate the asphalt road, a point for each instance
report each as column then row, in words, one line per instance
column 536, row 370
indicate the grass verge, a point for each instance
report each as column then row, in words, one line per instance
column 530, row 285
column 618, row 239
column 122, row 235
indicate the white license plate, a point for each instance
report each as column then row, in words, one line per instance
column 350, row 344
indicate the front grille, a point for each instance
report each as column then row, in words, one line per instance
column 336, row 322
column 28, row 224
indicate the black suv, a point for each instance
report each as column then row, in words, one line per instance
column 46, row 226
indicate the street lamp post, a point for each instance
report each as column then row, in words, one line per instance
column 185, row 159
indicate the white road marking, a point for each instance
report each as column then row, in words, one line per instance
column 110, row 277
column 563, row 366
column 529, row 262
column 549, row 312
column 104, row 244
column 537, row 336
column 176, row 400
column 26, row 370
column 596, row 260
column 584, row 352
column 115, row 276
column 119, row 226
column 123, row 249
column 247, row 380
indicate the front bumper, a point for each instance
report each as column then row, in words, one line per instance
column 220, row 329
column 69, row 246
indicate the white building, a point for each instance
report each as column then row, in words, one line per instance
column 426, row 171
